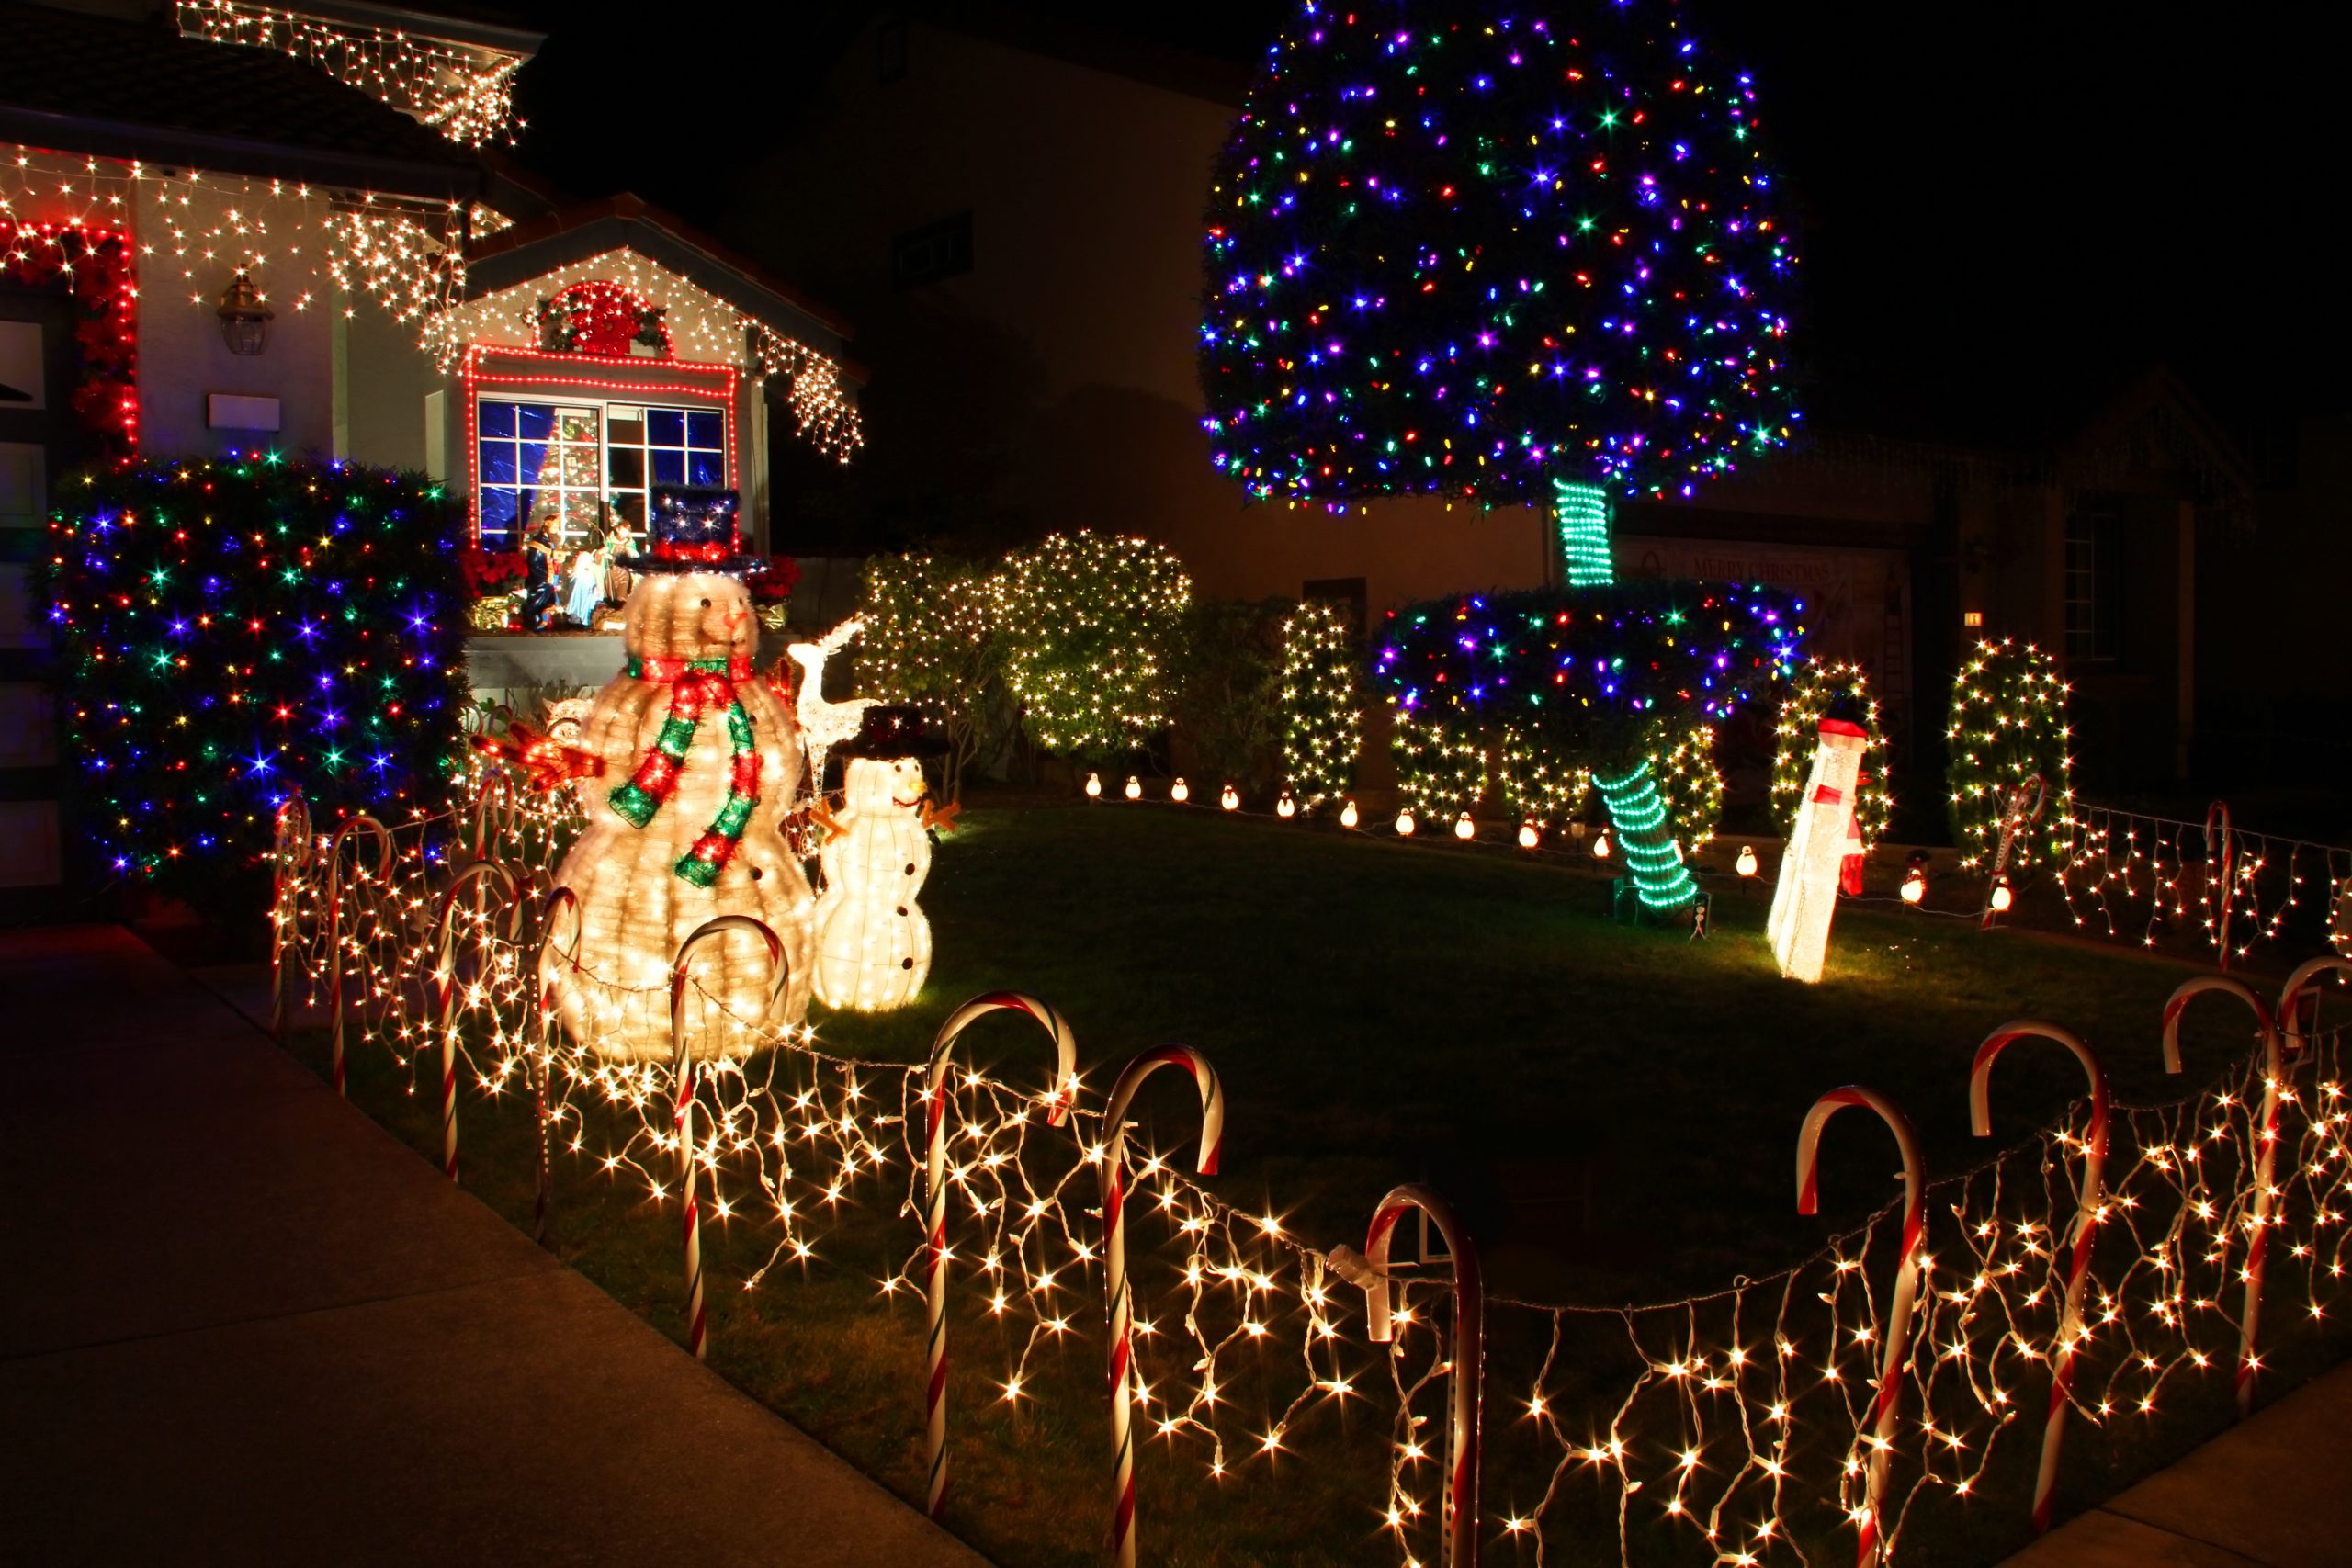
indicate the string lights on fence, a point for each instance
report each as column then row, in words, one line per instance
column 1746, row 1426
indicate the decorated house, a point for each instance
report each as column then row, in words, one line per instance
column 228, row 228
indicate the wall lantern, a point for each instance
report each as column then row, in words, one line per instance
column 245, row 318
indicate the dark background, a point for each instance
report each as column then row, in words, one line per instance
column 2008, row 210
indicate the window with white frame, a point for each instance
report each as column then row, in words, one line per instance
column 580, row 466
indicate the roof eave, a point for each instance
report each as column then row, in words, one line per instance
column 233, row 155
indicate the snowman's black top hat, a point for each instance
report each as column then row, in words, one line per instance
column 694, row 529
column 887, row 733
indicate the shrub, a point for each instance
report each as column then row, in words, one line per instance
column 1322, row 716
column 1829, row 691
column 1090, row 624
column 2008, row 723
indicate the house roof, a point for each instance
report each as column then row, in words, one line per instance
column 73, row 82
column 578, row 232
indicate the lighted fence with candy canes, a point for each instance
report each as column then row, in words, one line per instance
column 2155, row 880
column 1739, row 1428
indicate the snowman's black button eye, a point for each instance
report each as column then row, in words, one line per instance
column 706, row 603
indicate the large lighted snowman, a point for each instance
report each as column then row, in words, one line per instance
column 872, row 943
column 690, row 763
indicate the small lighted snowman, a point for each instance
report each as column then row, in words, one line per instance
column 872, row 942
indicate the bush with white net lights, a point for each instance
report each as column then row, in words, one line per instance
column 1090, row 624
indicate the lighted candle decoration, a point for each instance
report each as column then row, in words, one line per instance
column 1806, row 896
column 1735, row 1404
column 872, row 940
column 694, row 763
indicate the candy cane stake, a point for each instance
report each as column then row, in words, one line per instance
column 2274, row 1079
column 445, row 980
column 2299, row 985
column 360, row 824
column 2014, row 820
column 1906, row 1287
column 290, row 852
column 495, row 810
column 1064, row 1091
column 2220, row 812
column 1114, row 1260
column 681, row 1074
column 1468, row 1363
column 538, row 1046
column 2089, row 1206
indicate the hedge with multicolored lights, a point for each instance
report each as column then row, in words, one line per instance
column 1477, row 255
column 2008, row 726
column 1560, row 685
column 1829, row 691
column 238, row 630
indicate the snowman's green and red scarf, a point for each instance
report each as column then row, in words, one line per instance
column 698, row 686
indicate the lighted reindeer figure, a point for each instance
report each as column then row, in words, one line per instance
column 825, row 724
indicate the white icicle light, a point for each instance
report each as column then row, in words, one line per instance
column 1806, row 896
column 1230, row 799
column 1404, row 824
column 1464, row 828
column 1135, row 787
column 1746, row 864
column 1094, row 787
column 1528, row 837
column 872, row 943
column 1348, row 816
column 1180, row 792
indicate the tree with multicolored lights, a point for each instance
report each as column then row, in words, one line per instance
column 1536, row 258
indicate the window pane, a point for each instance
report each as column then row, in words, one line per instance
column 629, row 432
column 498, row 508
column 498, row 463
column 668, row 467
column 535, row 420
column 705, row 430
column 705, row 468
column 497, row 419
column 625, row 469
column 630, row 507
column 665, row 427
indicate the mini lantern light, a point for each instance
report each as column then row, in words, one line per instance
column 1180, row 792
column 1746, row 864
column 1135, row 787
column 1348, row 817
column 1285, row 806
column 245, row 316
column 1915, row 880
column 1464, row 828
column 1230, row 799
column 1601, row 845
column 1404, row 824
column 1094, row 787
column 1527, row 835
column 2002, row 896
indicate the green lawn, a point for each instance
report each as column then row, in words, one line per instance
column 1613, row 1110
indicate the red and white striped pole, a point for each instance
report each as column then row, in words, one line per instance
column 682, row 1075
column 445, row 981
column 1064, row 1093
column 2220, row 812
column 538, row 1045
column 2015, row 818
column 1114, row 1260
column 2290, row 1016
column 2274, row 1079
column 2089, row 1206
column 1896, row 1358
column 1467, row 1371
column 383, row 838
column 290, row 852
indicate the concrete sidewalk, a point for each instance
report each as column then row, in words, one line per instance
column 2273, row 1492
column 241, row 1323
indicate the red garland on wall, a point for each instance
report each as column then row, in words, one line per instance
column 96, row 267
column 597, row 317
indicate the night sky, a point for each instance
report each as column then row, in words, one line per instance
column 2008, row 210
